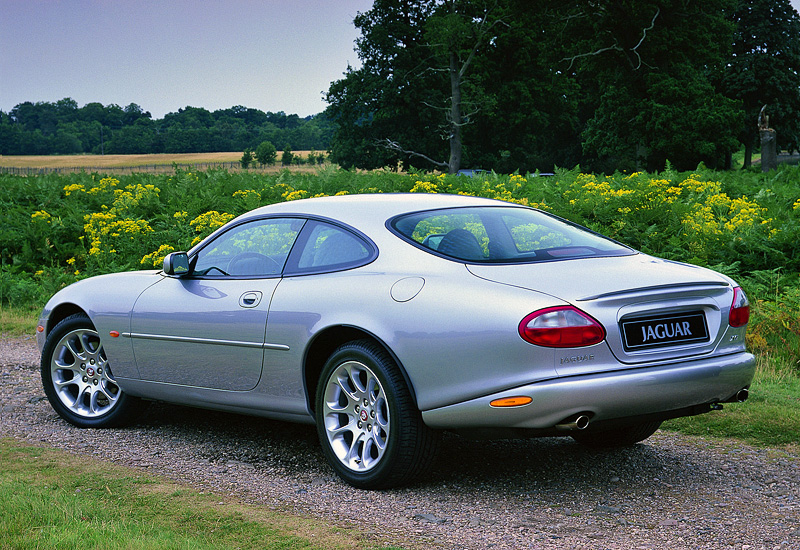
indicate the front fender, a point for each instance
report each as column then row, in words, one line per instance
column 108, row 301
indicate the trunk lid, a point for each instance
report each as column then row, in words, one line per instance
column 652, row 309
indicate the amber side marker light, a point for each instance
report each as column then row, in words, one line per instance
column 511, row 401
column 40, row 328
column 114, row 334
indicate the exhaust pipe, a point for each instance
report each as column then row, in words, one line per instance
column 579, row 422
column 742, row 396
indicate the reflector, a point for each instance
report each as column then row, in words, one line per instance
column 511, row 401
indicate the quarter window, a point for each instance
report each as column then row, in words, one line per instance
column 329, row 247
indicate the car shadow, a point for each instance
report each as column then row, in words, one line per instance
column 534, row 465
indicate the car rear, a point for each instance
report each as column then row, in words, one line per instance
column 635, row 338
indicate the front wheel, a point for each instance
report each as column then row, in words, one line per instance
column 371, row 431
column 617, row 437
column 77, row 377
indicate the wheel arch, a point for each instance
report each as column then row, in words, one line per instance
column 61, row 312
column 322, row 347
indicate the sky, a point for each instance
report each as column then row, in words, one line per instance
column 272, row 55
column 167, row 54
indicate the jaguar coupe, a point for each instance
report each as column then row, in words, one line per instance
column 388, row 319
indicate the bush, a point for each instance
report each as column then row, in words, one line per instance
column 56, row 229
column 247, row 158
column 266, row 153
column 287, row 158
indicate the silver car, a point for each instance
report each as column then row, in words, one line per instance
column 386, row 319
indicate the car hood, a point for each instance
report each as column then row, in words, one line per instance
column 586, row 279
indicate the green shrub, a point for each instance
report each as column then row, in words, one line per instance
column 287, row 158
column 58, row 228
column 266, row 153
column 247, row 158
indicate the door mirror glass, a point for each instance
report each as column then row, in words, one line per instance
column 176, row 264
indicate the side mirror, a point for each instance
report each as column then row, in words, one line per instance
column 176, row 264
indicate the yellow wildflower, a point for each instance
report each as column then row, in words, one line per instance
column 73, row 188
column 41, row 216
column 156, row 259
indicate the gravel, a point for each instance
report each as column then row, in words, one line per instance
column 672, row 491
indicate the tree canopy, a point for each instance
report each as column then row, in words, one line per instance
column 530, row 84
column 64, row 128
column 764, row 70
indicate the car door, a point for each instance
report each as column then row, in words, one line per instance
column 315, row 282
column 208, row 329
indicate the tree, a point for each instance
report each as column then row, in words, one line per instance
column 645, row 70
column 287, row 157
column 137, row 138
column 386, row 97
column 528, row 118
column 764, row 69
column 133, row 113
column 457, row 33
column 413, row 96
column 247, row 158
column 266, row 153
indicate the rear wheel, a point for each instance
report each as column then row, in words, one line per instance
column 77, row 377
column 371, row 431
column 617, row 437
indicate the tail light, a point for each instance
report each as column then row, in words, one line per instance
column 561, row 327
column 740, row 309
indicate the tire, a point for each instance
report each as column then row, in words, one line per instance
column 78, row 381
column 617, row 437
column 371, row 431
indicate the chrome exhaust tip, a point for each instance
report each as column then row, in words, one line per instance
column 742, row 396
column 579, row 422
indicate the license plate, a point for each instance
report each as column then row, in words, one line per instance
column 653, row 332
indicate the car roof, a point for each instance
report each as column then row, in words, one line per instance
column 372, row 208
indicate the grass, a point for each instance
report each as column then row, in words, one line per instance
column 15, row 321
column 770, row 417
column 51, row 499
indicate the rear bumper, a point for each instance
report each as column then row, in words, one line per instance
column 607, row 396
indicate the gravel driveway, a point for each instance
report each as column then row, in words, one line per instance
column 672, row 492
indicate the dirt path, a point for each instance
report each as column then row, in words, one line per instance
column 672, row 492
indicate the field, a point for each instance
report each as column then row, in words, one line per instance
column 106, row 161
column 126, row 164
column 115, row 161
column 56, row 229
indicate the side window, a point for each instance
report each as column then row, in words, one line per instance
column 331, row 247
column 258, row 248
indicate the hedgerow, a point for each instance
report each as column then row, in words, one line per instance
column 59, row 228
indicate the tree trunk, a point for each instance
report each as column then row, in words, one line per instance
column 748, row 155
column 769, row 150
column 455, row 116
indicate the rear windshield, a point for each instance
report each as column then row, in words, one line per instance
column 500, row 234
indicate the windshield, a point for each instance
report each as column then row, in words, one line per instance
column 500, row 234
